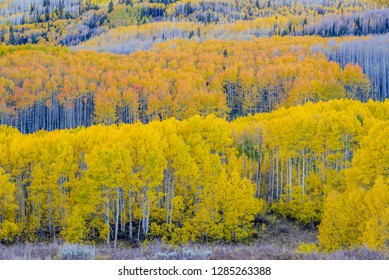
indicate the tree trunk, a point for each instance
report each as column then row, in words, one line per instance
column 258, row 179
column 107, row 219
column 130, row 213
column 117, row 217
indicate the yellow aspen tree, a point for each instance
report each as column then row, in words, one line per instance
column 375, row 232
column 9, row 228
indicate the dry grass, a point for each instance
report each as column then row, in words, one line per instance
column 159, row 251
column 279, row 241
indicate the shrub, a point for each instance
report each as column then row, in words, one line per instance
column 76, row 252
column 307, row 248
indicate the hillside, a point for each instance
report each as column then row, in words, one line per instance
column 202, row 179
column 70, row 22
column 197, row 123
column 177, row 79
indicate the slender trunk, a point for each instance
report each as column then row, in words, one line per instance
column 243, row 161
column 122, row 213
column 272, row 176
column 117, row 217
column 172, row 202
column 147, row 220
column 39, row 213
column 139, row 225
column 269, row 179
column 277, row 177
column 167, row 198
column 258, row 181
column 290, row 178
column 130, row 213
column 50, row 210
column 282, row 177
column 144, row 210
column 299, row 172
column 107, row 219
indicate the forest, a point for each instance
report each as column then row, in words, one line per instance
column 220, row 77
column 202, row 179
column 128, row 124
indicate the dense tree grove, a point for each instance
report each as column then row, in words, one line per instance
column 360, row 215
column 201, row 179
column 131, row 38
column 233, row 10
column 20, row 12
column 70, row 22
column 372, row 54
column 62, row 30
column 222, row 77
column 177, row 180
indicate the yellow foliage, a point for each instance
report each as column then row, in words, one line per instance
column 307, row 248
column 203, row 179
column 8, row 232
column 75, row 228
column 375, row 233
column 359, row 216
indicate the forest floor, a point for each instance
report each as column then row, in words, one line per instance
column 279, row 241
